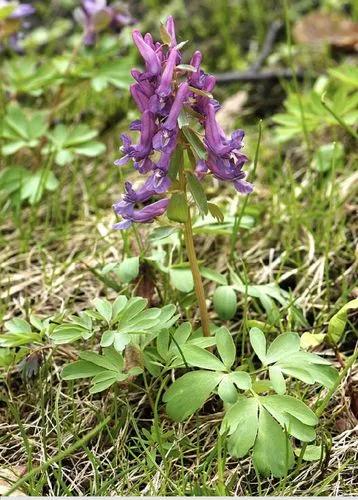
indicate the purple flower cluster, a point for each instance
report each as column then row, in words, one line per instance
column 96, row 16
column 20, row 9
column 17, row 12
column 161, row 92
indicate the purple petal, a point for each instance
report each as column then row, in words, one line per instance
column 122, row 161
column 147, row 52
column 23, row 10
column 144, row 166
column 171, row 121
column 170, row 26
column 124, row 224
column 135, row 125
column 146, row 136
column 150, row 212
column 93, row 6
column 243, row 186
column 165, row 86
column 140, row 99
column 201, row 169
column 149, row 40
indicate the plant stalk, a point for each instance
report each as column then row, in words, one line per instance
column 193, row 261
column 198, row 283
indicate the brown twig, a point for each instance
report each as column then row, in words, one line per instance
column 267, row 46
column 254, row 73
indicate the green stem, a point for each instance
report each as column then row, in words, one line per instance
column 198, row 283
column 193, row 261
column 338, row 118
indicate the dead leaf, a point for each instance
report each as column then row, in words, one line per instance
column 353, row 394
column 10, row 476
column 323, row 27
column 145, row 285
column 132, row 359
column 230, row 110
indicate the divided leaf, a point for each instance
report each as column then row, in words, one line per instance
column 277, row 379
column 196, row 356
column 272, row 452
column 285, row 353
column 104, row 307
column 258, row 342
column 105, row 369
column 189, row 393
column 290, row 405
column 225, row 346
column 227, row 390
column 282, row 346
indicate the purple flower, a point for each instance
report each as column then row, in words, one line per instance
column 161, row 92
column 22, row 10
column 95, row 16
column 171, row 122
column 165, row 138
column 224, row 158
column 16, row 13
column 148, row 53
column 146, row 214
column 140, row 152
column 139, row 96
column 155, row 184
column 201, row 169
column 215, row 138
column 230, row 169
column 165, row 86
column 170, row 26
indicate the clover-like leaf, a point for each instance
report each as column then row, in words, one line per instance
column 182, row 333
column 67, row 333
column 291, row 405
column 285, row 358
column 272, row 453
column 227, row 390
column 77, row 327
column 20, row 130
column 80, row 369
column 104, row 369
column 189, row 393
column 118, row 305
column 282, row 346
column 18, row 325
column 104, row 307
column 258, row 342
column 19, row 333
column 242, row 380
column 225, row 346
column 277, row 379
column 201, row 358
column 66, row 142
column 264, row 424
